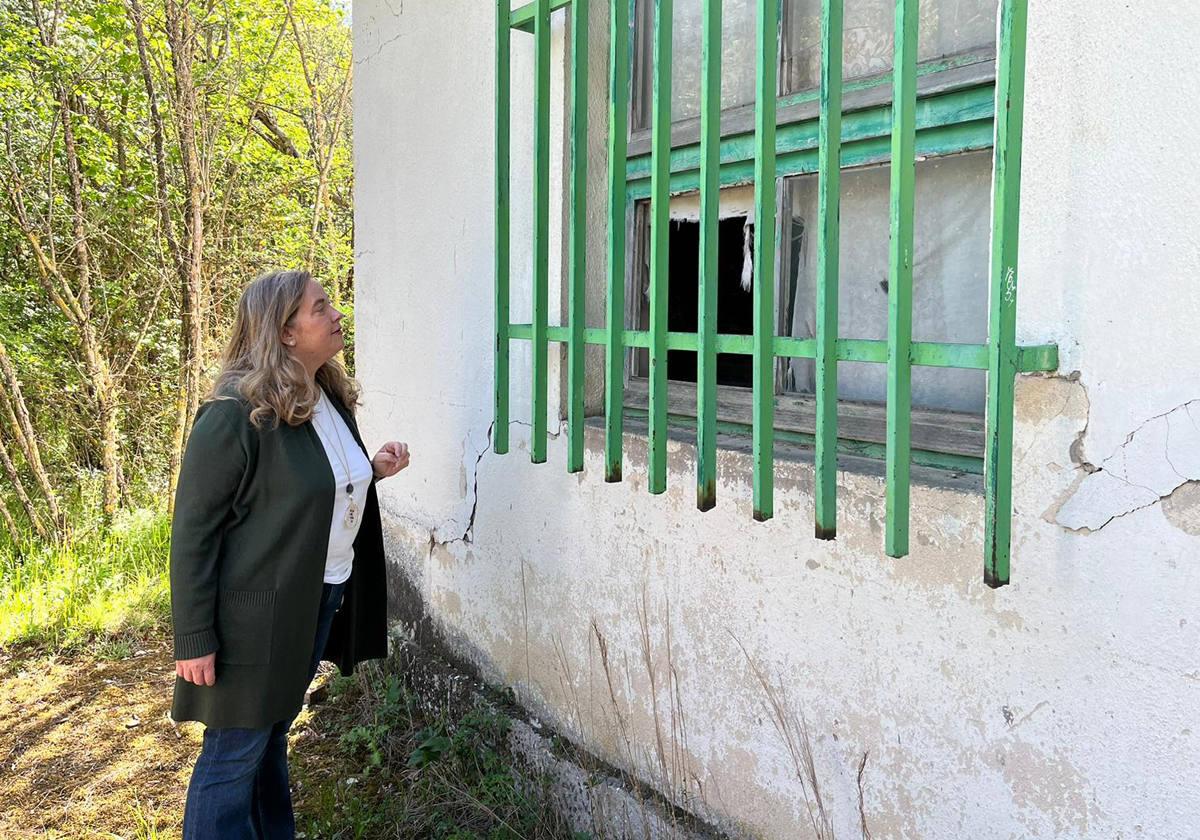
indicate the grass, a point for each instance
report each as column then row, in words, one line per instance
column 406, row 771
column 89, row 751
column 98, row 586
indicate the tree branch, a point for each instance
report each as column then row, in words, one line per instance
column 277, row 137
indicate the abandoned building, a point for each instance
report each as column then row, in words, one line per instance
column 746, row 461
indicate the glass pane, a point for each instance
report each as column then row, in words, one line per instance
column 950, row 273
column 947, row 27
column 737, row 56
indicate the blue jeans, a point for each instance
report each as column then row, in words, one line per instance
column 239, row 788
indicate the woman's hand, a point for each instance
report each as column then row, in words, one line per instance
column 390, row 459
column 201, row 671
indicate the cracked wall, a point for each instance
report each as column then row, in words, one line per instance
column 1156, row 459
column 1065, row 705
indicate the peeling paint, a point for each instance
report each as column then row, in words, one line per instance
column 1182, row 508
column 1046, row 786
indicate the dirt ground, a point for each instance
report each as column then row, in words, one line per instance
column 87, row 749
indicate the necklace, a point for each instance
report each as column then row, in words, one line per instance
column 351, row 517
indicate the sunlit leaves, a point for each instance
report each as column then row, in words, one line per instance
column 258, row 203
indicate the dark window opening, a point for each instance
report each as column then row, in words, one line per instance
column 735, row 309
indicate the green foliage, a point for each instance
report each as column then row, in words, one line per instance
column 259, row 206
column 409, row 772
column 99, row 585
column 145, row 824
column 434, row 747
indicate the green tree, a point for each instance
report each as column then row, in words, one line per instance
column 157, row 154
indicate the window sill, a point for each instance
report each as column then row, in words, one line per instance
column 682, row 430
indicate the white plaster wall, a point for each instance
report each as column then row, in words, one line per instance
column 1064, row 705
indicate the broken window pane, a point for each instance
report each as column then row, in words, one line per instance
column 735, row 304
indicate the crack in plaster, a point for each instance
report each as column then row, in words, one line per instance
column 379, row 49
column 468, row 532
column 1147, row 468
column 1076, row 451
column 1025, row 717
column 551, row 435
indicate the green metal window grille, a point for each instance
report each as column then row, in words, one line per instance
column 979, row 117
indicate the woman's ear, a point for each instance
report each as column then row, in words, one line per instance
column 287, row 337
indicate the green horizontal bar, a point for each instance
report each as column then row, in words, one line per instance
column 845, row 446
column 1041, row 357
column 796, row 143
column 932, row 142
column 926, row 68
column 1033, row 359
column 1037, row 358
column 522, row 18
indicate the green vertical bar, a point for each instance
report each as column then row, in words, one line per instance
column 900, row 277
column 763, row 359
column 578, row 268
column 541, row 225
column 710, row 214
column 660, row 230
column 1003, row 355
column 618, row 152
column 503, row 41
column 828, row 264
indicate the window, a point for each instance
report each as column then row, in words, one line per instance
column 949, row 275
column 766, row 166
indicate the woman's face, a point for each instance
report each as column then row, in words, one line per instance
column 314, row 335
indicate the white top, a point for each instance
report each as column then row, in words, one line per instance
column 350, row 466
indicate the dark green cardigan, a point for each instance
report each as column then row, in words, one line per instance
column 248, row 546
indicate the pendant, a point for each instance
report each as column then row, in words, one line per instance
column 351, row 517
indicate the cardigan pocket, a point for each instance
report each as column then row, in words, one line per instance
column 244, row 623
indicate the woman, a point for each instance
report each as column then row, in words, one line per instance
column 276, row 524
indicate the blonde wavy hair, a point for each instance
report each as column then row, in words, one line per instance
column 257, row 366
